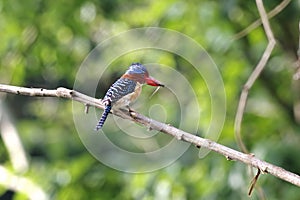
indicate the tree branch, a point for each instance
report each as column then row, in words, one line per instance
column 258, row 22
column 12, row 141
column 257, row 71
column 251, row 80
column 229, row 153
column 25, row 185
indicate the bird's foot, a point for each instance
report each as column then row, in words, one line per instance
column 132, row 112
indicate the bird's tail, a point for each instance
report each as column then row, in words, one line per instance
column 103, row 117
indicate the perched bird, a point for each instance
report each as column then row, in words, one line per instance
column 126, row 89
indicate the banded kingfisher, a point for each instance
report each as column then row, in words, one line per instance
column 126, row 90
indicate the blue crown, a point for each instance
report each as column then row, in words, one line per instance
column 136, row 68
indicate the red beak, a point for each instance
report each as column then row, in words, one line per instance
column 153, row 82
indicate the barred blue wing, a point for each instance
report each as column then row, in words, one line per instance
column 119, row 89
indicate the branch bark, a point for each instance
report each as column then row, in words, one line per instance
column 229, row 153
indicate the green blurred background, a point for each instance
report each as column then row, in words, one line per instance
column 43, row 43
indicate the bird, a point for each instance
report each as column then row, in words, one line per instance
column 126, row 90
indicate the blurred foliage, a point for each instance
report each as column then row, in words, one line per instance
column 44, row 43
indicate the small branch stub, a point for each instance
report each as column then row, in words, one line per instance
column 86, row 109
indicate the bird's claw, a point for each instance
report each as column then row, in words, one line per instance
column 132, row 113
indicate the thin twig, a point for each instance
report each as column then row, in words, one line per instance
column 253, row 77
column 164, row 128
column 258, row 22
column 258, row 69
column 253, row 182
